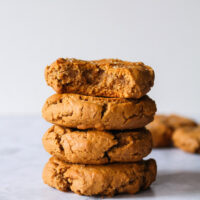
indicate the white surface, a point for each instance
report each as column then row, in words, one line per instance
column 161, row 33
column 22, row 160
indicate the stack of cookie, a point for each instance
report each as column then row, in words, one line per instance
column 98, row 139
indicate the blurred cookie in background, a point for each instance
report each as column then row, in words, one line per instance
column 177, row 121
column 163, row 127
column 187, row 139
column 161, row 131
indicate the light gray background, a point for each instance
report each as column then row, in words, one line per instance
column 163, row 34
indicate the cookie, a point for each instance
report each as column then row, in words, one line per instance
column 105, row 180
column 86, row 112
column 97, row 147
column 163, row 127
column 161, row 131
column 107, row 77
column 187, row 139
column 177, row 121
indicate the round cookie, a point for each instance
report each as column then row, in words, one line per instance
column 97, row 147
column 87, row 112
column 187, row 139
column 163, row 127
column 106, row 77
column 161, row 131
column 104, row 180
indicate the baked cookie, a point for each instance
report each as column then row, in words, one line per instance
column 86, row 112
column 97, row 147
column 163, row 127
column 105, row 180
column 187, row 139
column 161, row 131
column 107, row 77
column 177, row 121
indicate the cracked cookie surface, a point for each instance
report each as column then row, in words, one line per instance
column 187, row 139
column 86, row 112
column 163, row 127
column 105, row 180
column 97, row 147
column 106, row 77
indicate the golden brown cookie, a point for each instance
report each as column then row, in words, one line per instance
column 97, row 147
column 161, row 131
column 177, row 121
column 163, row 126
column 105, row 180
column 107, row 77
column 86, row 112
column 187, row 139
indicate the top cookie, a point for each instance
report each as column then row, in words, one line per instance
column 107, row 77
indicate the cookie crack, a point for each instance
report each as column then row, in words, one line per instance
column 63, row 180
column 54, row 102
column 110, row 149
column 124, row 185
column 81, row 111
column 103, row 111
column 63, row 115
column 58, row 140
column 113, row 190
column 127, row 118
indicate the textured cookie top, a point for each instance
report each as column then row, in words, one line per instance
column 97, row 147
column 106, row 77
column 116, row 63
column 106, row 180
column 87, row 112
column 104, row 63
